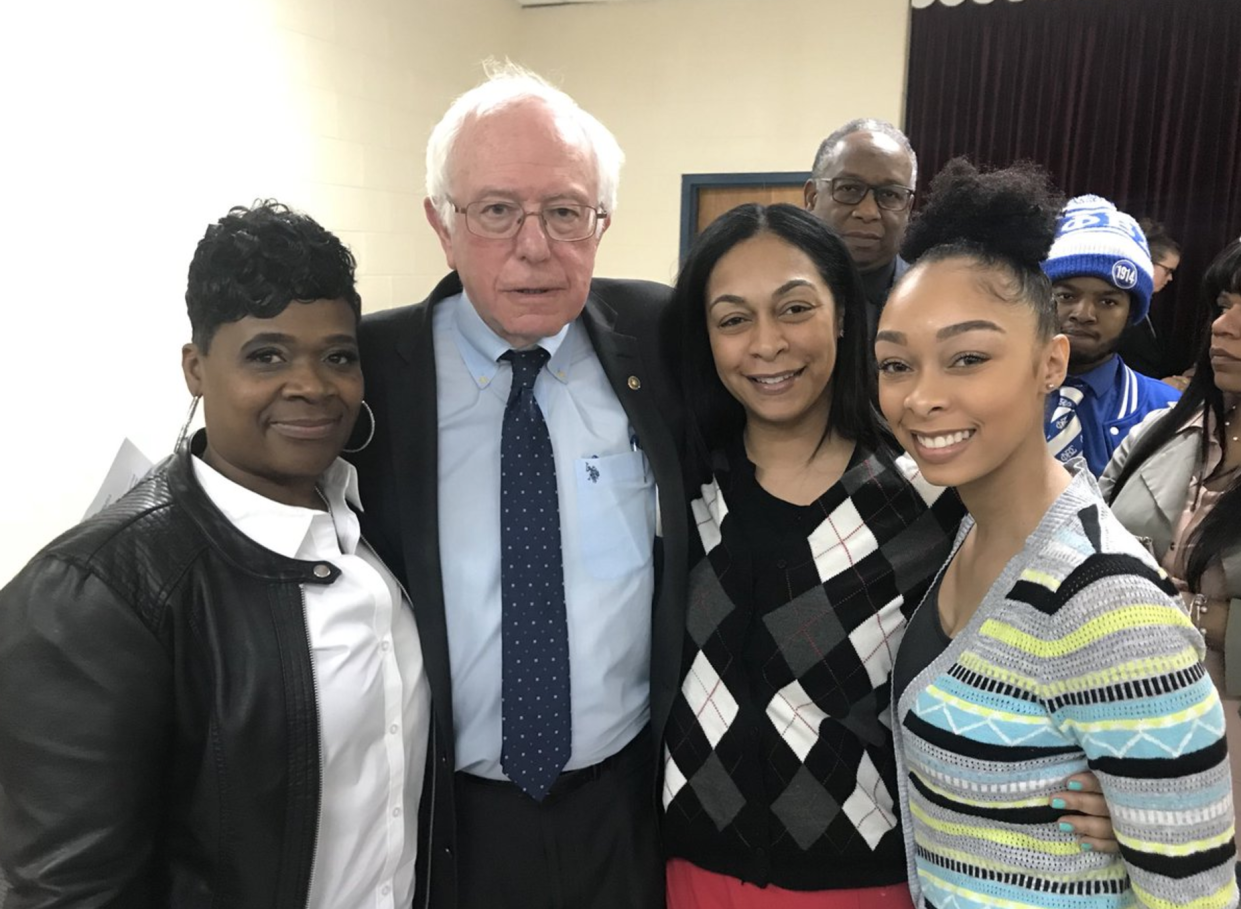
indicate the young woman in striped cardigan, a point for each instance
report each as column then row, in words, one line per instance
column 1051, row 642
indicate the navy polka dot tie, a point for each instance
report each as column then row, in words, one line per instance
column 535, row 636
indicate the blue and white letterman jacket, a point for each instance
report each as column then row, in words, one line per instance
column 1110, row 399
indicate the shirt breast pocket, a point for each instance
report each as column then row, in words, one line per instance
column 616, row 513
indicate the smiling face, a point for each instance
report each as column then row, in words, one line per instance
column 280, row 396
column 1226, row 343
column 525, row 287
column 963, row 375
column 1092, row 315
column 872, row 234
column 772, row 322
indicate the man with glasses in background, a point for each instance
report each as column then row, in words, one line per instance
column 521, row 444
column 862, row 185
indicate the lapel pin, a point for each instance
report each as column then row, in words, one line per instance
column 635, row 383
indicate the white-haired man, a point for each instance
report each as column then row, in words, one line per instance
column 862, row 185
column 520, row 451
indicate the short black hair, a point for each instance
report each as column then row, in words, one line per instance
column 256, row 261
column 827, row 148
column 714, row 417
column 1001, row 219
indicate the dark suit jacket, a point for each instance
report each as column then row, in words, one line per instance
column 398, row 474
column 1142, row 350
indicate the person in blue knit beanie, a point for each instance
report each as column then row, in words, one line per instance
column 1102, row 279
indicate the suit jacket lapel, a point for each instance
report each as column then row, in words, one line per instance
column 414, row 413
column 631, row 375
column 1166, row 476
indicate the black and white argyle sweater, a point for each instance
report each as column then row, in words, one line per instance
column 779, row 764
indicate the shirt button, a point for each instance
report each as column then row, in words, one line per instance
column 385, row 890
column 396, row 812
column 322, row 570
column 385, row 646
column 394, row 728
column 1115, row 431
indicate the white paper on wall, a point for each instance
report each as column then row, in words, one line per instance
column 128, row 467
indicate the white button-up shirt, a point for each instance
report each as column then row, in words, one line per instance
column 371, row 690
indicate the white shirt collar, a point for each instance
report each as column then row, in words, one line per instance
column 481, row 348
column 279, row 527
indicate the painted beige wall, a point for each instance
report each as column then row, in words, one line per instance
column 132, row 124
column 706, row 86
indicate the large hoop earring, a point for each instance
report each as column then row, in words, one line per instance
column 370, row 413
column 184, row 434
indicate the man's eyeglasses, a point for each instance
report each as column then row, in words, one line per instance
column 848, row 191
column 499, row 220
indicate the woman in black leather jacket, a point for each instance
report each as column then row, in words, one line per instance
column 160, row 737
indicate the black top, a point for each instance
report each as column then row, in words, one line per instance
column 781, row 769
column 1143, row 351
column 877, row 285
column 159, row 730
column 925, row 639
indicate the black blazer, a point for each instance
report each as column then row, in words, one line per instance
column 1143, row 351
column 398, row 475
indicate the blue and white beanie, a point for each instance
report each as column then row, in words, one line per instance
column 1095, row 240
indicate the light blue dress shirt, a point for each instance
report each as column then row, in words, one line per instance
column 607, row 527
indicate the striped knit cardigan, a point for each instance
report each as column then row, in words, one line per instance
column 1079, row 657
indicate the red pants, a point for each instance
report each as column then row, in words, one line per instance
column 690, row 887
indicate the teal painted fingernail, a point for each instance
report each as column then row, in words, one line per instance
column 1059, row 804
column 1067, row 828
column 1075, row 786
column 1086, row 847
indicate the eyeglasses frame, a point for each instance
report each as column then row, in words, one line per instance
column 870, row 190
column 600, row 215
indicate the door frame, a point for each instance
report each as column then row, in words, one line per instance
column 691, row 183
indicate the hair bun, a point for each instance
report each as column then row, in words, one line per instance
column 1010, row 212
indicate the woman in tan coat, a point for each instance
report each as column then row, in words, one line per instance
column 1176, row 482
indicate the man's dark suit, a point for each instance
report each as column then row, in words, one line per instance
column 398, row 474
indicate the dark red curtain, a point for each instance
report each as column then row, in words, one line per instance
column 1135, row 100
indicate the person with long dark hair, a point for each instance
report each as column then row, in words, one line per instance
column 1176, row 481
column 815, row 538
column 1051, row 641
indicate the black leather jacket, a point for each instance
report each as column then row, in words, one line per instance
column 159, row 740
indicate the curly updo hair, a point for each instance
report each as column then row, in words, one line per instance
column 1005, row 220
column 256, row 261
